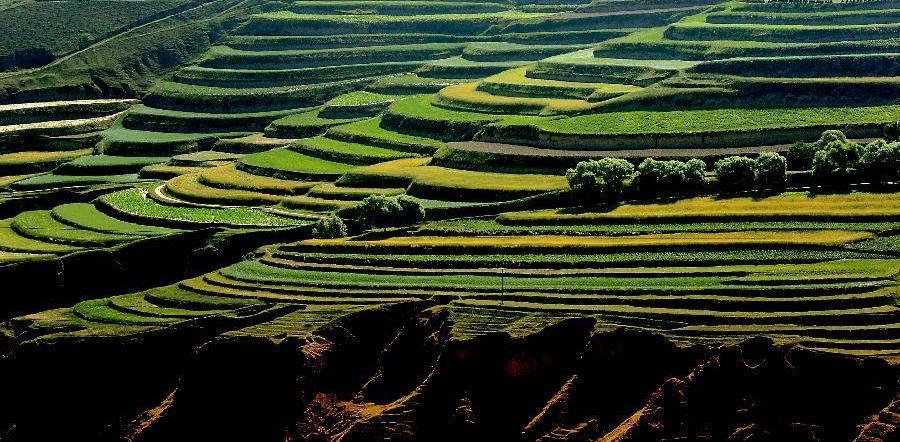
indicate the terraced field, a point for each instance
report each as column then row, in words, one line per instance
column 825, row 280
column 433, row 220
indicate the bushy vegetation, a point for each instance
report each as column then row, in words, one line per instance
column 832, row 164
column 740, row 174
column 736, row 174
column 837, row 161
column 670, row 176
column 770, row 171
column 600, row 180
column 880, row 161
column 384, row 211
column 801, row 154
column 330, row 227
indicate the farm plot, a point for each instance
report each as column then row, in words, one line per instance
column 824, row 294
column 310, row 107
column 38, row 137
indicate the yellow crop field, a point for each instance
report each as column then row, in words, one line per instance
column 418, row 170
column 229, row 177
column 518, row 76
column 468, row 96
column 731, row 239
column 799, row 205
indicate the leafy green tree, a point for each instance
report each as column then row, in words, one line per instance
column 832, row 165
column 330, row 227
column 736, row 174
column 879, row 161
column 800, row 155
column 695, row 174
column 830, row 136
column 602, row 180
column 653, row 176
column 770, row 171
column 384, row 211
column 411, row 210
column 378, row 210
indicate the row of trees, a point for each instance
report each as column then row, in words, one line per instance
column 606, row 179
column 836, row 161
column 373, row 211
column 766, row 172
column 833, row 160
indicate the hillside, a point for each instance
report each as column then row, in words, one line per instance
column 542, row 220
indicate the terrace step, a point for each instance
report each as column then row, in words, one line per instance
column 137, row 304
column 225, row 57
column 671, row 287
column 24, row 113
column 212, row 285
column 369, row 132
column 299, row 323
column 27, row 162
column 53, row 181
column 560, row 261
column 287, row 164
column 879, row 331
column 522, row 244
column 161, row 120
column 18, row 132
column 314, row 204
column 496, row 156
column 107, row 165
column 41, row 226
column 87, row 217
column 17, row 257
column 123, row 141
column 864, row 316
column 333, row 192
column 155, row 208
column 100, row 311
column 295, row 261
column 260, row 78
column 250, row 144
column 229, row 177
column 347, row 152
column 184, row 97
column 854, row 344
column 190, row 188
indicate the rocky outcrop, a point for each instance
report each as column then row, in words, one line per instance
column 398, row 372
column 756, row 391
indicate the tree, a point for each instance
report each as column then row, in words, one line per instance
column 832, row 165
column 800, row 155
column 377, row 210
column 879, row 161
column 411, row 210
column 770, row 171
column 695, row 174
column 330, row 227
column 602, row 179
column 383, row 211
column 830, row 136
column 673, row 175
column 736, row 174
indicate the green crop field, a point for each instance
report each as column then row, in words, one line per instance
column 539, row 220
